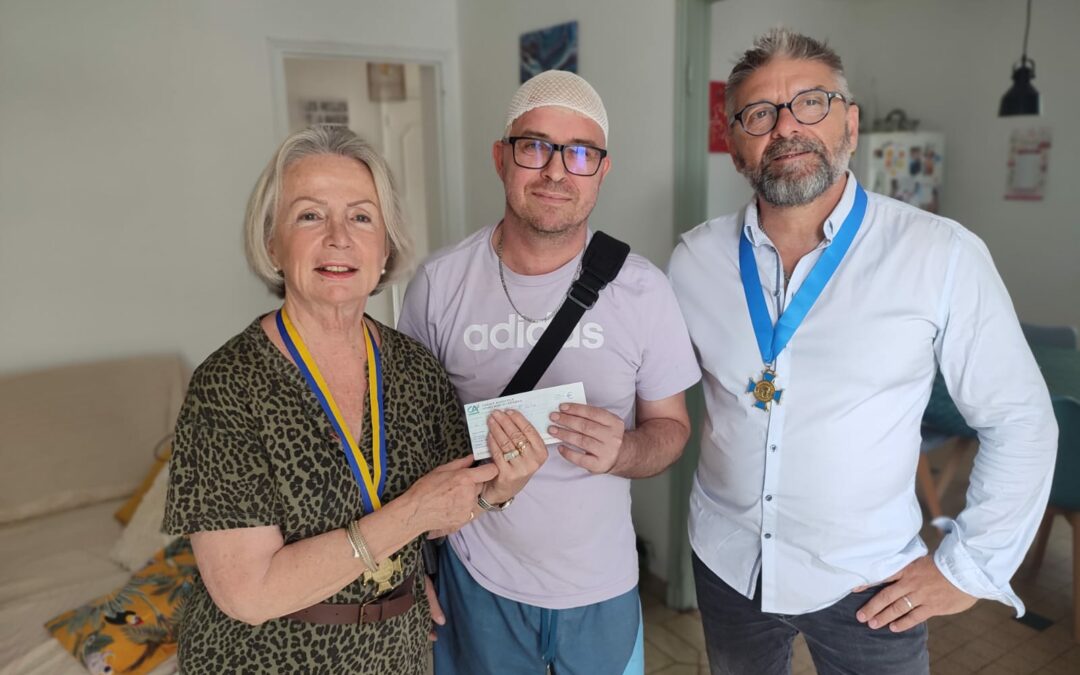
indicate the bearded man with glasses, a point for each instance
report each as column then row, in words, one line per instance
column 821, row 314
column 549, row 582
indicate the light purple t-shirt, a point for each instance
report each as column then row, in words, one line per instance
column 567, row 540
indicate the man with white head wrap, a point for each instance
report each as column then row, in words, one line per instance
column 551, row 581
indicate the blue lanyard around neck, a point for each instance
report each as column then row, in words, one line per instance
column 772, row 340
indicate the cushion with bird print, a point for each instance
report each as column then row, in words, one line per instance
column 133, row 629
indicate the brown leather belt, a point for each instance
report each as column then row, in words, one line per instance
column 399, row 601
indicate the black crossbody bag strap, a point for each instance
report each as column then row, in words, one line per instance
column 603, row 259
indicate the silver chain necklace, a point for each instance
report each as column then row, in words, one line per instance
column 506, row 290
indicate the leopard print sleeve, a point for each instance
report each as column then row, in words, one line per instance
column 220, row 475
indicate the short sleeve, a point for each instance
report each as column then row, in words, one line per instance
column 668, row 364
column 219, row 474
column 415, row 320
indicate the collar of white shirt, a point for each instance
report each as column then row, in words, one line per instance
column 758, row 237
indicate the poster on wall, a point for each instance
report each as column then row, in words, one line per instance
column 1029, row 159
column 905, row 165
column 553, row 48
column 717, row 119
column 333, row 113
column 386, row 81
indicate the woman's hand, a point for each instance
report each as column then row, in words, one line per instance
column 443, row 500
column 517, row 450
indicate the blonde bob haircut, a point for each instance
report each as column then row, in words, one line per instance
column 263, row 203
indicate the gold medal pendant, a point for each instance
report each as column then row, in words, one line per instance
column 382, row 575
column 764, row 390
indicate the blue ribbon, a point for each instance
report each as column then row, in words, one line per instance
column 771, row 341
column 371, row 483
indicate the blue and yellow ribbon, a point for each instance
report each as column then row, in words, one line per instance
column 371, row 483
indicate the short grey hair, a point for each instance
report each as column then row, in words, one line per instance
column 262, row 205
column 781, row 43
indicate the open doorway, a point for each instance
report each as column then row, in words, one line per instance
column 395, row 106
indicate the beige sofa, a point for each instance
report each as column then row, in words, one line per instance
column 75, row 442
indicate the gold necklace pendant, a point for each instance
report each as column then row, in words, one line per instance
column 382, row 574
column 764, row 390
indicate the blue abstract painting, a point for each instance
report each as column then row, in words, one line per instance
column 553, row 48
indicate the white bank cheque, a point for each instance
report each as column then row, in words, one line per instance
column 535, row 405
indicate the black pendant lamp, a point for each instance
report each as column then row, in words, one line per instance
column 1022, row 98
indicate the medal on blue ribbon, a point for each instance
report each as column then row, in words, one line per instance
column 771, row 339
column 371, row 482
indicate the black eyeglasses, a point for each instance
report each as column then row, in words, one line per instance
column 808, row 107
column 535, row 153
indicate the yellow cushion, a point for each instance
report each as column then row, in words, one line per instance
column 133, row 629
column 161, row 458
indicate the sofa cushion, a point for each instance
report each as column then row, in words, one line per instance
column 161, row 458
column 132, row 629
column 142, row 537
column 81, row 434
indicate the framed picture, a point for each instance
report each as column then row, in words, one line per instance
column 386, row 81
column 329, row 112
column 1029, row 162
column 718, row 120
column 554, row 48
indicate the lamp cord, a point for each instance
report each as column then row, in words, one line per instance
column 1027, row 29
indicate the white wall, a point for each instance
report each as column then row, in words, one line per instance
column 953, row 80
column 948, row 64
column 627, row 52
column 131, row 132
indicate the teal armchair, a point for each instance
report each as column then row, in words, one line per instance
column 1064, row 496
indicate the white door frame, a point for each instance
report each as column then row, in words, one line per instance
column 447, row 112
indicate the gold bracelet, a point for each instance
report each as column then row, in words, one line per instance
column 359, row 546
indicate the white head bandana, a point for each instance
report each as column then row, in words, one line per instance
column 559, row 88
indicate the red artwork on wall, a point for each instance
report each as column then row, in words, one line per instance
column 717, row 119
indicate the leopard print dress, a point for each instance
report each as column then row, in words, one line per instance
column 253, row 447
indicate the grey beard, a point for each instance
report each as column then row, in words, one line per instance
column 783, row 191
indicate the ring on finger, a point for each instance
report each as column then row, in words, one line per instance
column 907, row 601
column 512, row 455
column 522, row 444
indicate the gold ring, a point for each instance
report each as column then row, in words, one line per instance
column 909, row 605
column 471, row 516
column 522, row 444
column 512, row 455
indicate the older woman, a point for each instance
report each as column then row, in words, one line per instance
column 318, row 446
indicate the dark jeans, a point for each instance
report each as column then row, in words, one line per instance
column 743, row 640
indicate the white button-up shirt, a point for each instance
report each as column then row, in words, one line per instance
column 818, row 493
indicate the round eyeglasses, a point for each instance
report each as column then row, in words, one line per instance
column 808, row 107
column 535, row 153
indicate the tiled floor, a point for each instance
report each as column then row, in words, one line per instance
column 984, row 639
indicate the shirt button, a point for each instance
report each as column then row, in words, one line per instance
column 768, row 498
column 772, row 448
column 768, row 536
